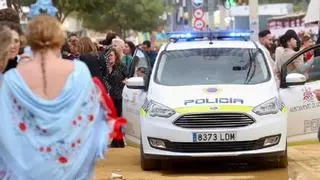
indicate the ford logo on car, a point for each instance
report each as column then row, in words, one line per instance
column 211, row 90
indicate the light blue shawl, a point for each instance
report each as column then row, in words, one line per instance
column 60, row 139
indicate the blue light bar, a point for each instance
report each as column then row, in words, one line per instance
column 240, row 34
column 181, row 35
column 209, row 34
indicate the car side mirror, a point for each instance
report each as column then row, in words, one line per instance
column 135, row 83
column 293, row 79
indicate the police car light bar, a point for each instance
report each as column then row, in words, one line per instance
column 209, row 34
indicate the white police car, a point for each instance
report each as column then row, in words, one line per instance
column 213, row 94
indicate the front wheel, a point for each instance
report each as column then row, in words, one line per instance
column 319, row 134
column 282, row 161
column 148, row 164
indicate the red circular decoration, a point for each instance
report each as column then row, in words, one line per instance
column 23, row 127
column 49, row 149
column 63, row 160
column 91, row 117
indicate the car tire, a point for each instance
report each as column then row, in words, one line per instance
column 148, row 164
column 319, row 134
column 282, row 161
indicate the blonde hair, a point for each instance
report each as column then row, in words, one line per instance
column 6, row 41
column 45, row 33
column 118, row 42
column 117, row 56
column 85, row 45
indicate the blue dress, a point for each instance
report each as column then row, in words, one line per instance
column 58, row 139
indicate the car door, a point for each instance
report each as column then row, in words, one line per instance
column 133, row 99
column 300, row 100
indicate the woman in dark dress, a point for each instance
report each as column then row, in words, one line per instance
column 116, row 76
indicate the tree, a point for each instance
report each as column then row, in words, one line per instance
column 66, row 7
column 123, row 15
column 15, row 4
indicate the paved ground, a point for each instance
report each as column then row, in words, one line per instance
column 304, row 164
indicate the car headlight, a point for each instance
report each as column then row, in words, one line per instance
column 155, row 109
column 269, row 107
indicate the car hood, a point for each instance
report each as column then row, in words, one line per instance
column 213, row 97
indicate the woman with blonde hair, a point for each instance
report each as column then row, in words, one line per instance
column 89, row 55
column 53, row 125
column 126, row 59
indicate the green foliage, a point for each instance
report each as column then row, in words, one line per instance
column 66, row 7
column 27, row 2
column 122, row 15
column 118, row 15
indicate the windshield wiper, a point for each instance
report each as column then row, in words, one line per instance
column 250, row 62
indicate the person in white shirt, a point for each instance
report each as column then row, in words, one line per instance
column 265, row 39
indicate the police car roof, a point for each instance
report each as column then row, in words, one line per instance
column 183, row 45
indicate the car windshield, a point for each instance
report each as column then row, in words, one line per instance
column 212, row 66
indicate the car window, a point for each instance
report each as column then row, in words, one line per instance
column 140, row 64
column 212, row 66
column 310, row 68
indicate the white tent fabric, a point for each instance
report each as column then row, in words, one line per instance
column 313, row 13
column 3, row 4
column 312, row 29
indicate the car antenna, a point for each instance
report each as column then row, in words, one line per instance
column 210, row 35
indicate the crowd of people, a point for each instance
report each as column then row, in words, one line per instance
column 111, row 60
column 282, row 49
column 50, row 106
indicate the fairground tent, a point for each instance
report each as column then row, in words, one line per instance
column 313, row 13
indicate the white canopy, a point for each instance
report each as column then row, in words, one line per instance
column 313, row 13
column 312, row 29
column 264, row 10
column 3, row 4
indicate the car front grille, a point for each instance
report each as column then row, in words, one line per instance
column 214, row 146
column 214, row 120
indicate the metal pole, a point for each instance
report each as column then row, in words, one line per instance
column 211, row 8
column 222, row 16
column 254, row 18
column 189, row 5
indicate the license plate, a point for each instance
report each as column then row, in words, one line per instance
column 214, row 137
